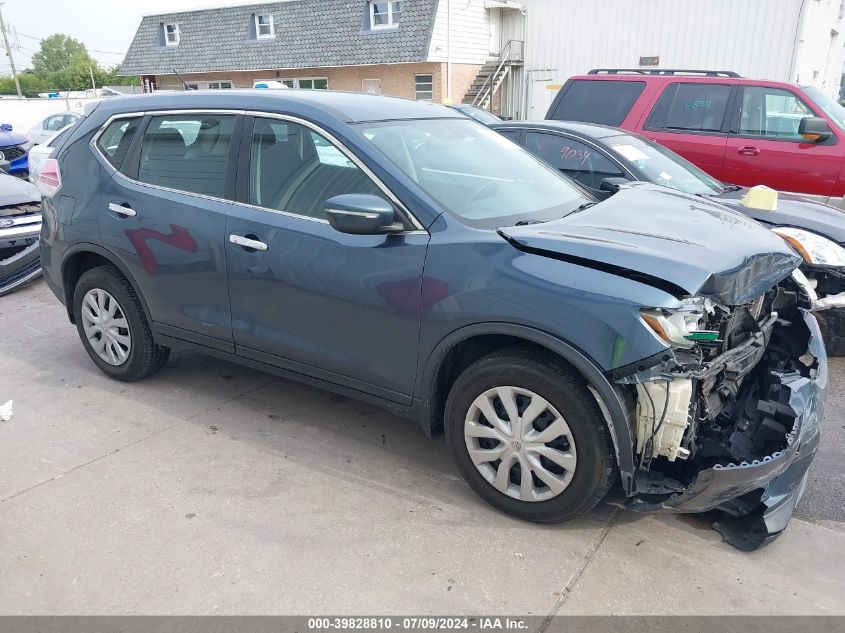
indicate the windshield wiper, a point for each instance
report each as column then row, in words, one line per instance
column 527, row 222
column 583, row 207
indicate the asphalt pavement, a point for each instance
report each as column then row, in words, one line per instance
column 215, row 489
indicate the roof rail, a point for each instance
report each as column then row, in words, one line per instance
column 663, row 71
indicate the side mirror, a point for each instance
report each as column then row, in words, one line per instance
column 814, row 129
column 361, row 214
column 6, row 127
column 612, row 185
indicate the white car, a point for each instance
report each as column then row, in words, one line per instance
column 41, row 152
column 41, row 132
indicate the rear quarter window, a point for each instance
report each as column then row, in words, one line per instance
column 606, row 102
column 114, row 141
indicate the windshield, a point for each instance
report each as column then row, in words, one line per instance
column 827, row 105
column 664, row 167
column 474, row 173
column 482, row 116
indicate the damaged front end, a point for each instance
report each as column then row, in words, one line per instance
column 730, row 420
column 20, row 229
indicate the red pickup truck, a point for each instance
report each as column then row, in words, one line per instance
column 742, row 131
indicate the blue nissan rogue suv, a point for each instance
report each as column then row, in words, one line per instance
column 398, row 252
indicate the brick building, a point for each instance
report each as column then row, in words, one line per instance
column 398, row 48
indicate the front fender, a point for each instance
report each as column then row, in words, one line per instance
column 607, row 396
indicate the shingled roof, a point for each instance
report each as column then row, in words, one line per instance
column 309, row 34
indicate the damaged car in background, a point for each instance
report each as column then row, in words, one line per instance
column 397, row 252
column 20, row 227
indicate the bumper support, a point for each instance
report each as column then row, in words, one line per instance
column 758, row 497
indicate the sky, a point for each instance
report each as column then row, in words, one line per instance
column 106, row 27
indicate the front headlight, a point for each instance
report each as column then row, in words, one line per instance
column 814, row 248
column 27, row 146
column 679, row 327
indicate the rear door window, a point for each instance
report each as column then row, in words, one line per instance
column 575, row 159
column 187, row 152
column 691, row 107
column 115, row 140
column 606, row 102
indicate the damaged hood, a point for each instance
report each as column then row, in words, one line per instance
column 17, row 191
column 682, row 244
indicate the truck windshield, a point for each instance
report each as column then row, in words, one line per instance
column 474, row 173
column 664, row 167
column 832, row 109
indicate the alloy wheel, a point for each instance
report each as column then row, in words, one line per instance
column 106, row 327
column 520, row 443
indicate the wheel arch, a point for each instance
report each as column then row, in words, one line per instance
column 83, row 257
column 462, row 347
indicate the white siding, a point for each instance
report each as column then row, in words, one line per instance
column 470, row 32
column 820, row 53
column 756, row 38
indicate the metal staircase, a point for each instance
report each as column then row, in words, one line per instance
column 492, row 74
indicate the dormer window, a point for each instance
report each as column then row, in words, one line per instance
column 264, row 27
column 385, row 15
column 171, row 34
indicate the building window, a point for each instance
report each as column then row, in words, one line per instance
column 424, row 86
column 385, row 15
column 264, row 26
column 220, row 85
column 371, row 86
column 171, row 34
column 307, row 83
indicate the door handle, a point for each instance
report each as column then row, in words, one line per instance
column 247, row 242
column 125, row 211
column 748, row 150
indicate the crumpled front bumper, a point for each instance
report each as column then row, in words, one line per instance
column 758, row 497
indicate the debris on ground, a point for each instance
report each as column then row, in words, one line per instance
column 6, row 412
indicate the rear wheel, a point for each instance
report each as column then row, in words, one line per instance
column 529, row 437
column 113, row 328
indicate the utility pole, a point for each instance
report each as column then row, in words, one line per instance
column 9, row 52
column 93, row 83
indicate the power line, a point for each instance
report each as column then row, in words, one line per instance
column 90, row 50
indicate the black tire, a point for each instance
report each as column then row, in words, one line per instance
column 545, row 375
column 145, row 357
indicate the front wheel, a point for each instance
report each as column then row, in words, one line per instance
column 529, row 437
column 113, row 328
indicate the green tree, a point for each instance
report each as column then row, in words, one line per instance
column 31, row 85
column 57, row 53
column 63, row 63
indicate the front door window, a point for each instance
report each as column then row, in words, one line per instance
column 772, row 113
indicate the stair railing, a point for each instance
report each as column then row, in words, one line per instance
column 511, row 52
